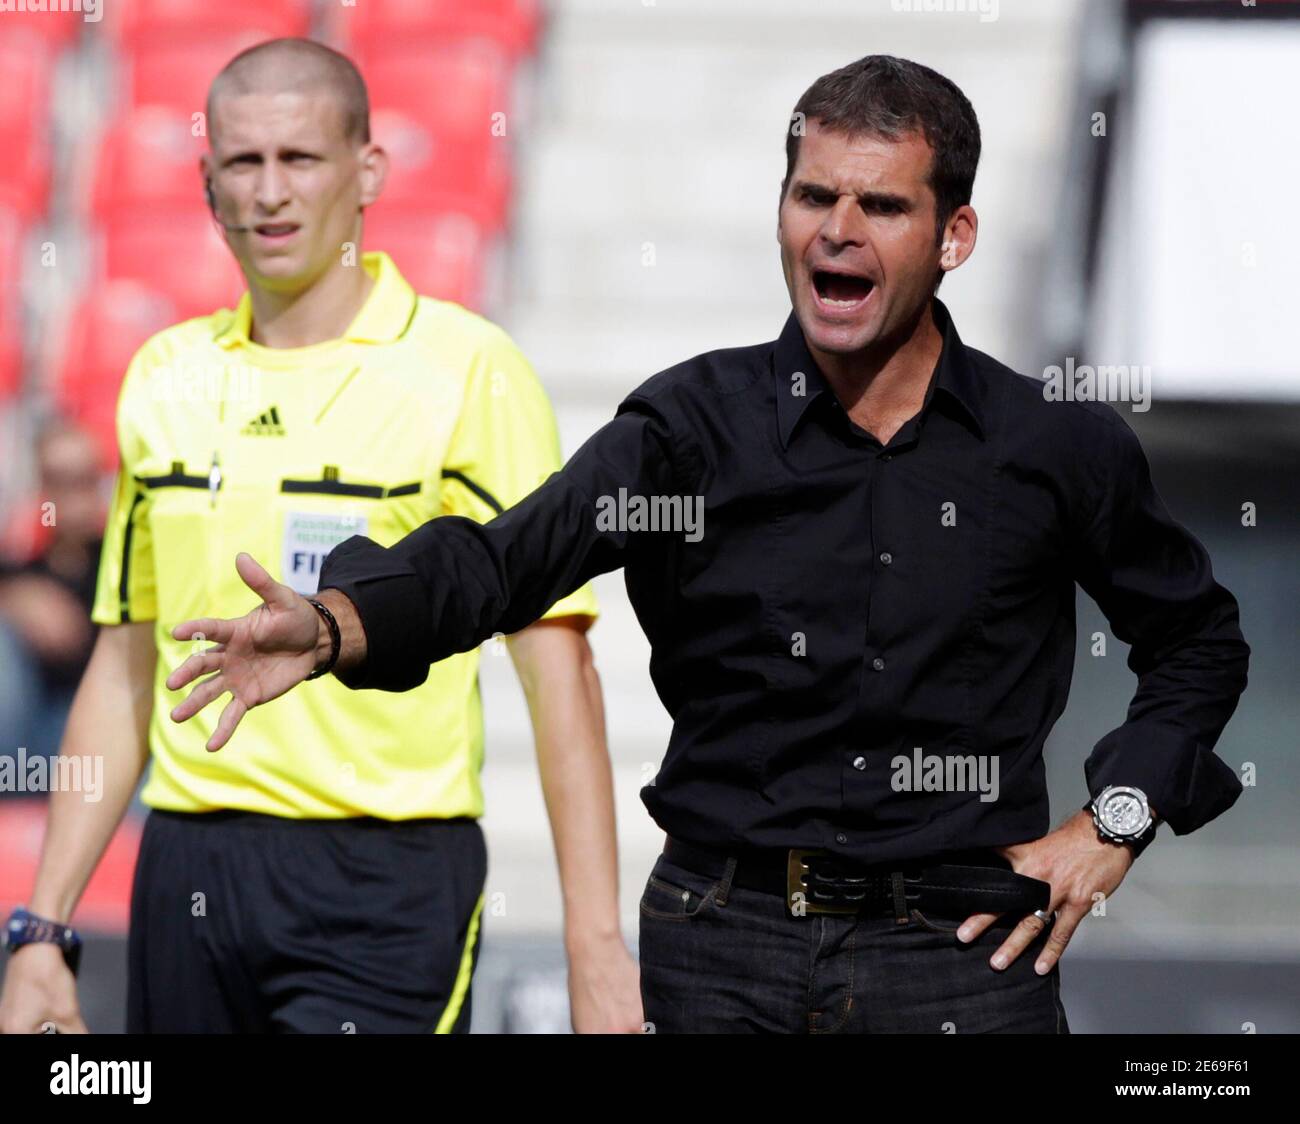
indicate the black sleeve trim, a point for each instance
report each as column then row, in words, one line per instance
column 123, row 597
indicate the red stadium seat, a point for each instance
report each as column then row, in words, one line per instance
column 176, row 250
column 176, row 70
column 11, row 355
column 107, row 328
column 13, row 235
column 54, row 28
column 439, row 108
column 146, row 20
column 105, row 906
column 26, row 63
column 148, row 157
column 512, row 24
column 441, row 255
column 437, row 170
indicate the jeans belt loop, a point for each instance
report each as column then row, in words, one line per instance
column 724, row 888
column 901, row 913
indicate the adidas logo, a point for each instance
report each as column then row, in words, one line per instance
column 266, row 424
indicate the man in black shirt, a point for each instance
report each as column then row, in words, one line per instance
column 854, row 552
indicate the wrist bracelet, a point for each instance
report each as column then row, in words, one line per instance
column 336, row 639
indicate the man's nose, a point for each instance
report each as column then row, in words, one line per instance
column 845, row 225
column 272, row 189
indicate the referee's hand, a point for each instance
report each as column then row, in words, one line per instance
column 40, row 993
column 256, row 657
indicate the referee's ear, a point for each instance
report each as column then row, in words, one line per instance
column 372, row 171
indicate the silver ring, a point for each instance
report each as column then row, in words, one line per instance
column 1043, row 916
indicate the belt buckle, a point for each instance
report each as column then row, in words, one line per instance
column 801, row 897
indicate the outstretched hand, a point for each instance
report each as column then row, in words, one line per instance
column 256, row 657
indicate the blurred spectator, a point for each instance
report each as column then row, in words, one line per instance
column 45, row 631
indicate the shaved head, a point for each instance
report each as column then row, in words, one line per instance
column 297, row 66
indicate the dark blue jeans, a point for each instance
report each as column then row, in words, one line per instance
column 737, row 962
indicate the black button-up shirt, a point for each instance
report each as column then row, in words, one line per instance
column 862, row 648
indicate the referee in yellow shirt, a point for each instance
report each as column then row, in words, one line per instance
column 327, row 873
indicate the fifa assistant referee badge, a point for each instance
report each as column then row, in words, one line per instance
column 336, row 640
column 26, row 928
column 1122, row 815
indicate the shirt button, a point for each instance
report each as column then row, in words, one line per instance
column 878, row 664
column 886, row 558
column 840, row 837
column 887, row 457
column 859, row 763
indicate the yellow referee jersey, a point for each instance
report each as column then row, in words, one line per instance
column 420, row 409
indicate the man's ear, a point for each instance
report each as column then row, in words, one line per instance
column 958, row 238
column 373, row 161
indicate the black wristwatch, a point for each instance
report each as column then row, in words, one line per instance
column 1123, row 816
column 26, row 928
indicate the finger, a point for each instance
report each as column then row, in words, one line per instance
column 1067, row 921
column 1017, row 941
column 198, row 698
column 974, row 925
column 260, row 582
column 235, row 710
column 208, row 628
column 201, row 663
column 23, row 1024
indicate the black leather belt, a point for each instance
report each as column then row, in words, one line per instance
column 955, row 884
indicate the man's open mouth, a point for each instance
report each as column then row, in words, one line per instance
column 841, row 290
column 275, row 229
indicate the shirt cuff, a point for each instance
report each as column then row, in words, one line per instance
column 1185, row 782
column 390, row 602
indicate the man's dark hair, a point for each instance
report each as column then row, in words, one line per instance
column 884, row 96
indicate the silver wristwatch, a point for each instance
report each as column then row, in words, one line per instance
column 1122, row 815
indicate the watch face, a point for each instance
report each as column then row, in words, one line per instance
column 1123, row 811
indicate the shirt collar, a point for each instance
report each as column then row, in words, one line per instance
column 955, row 375
column 381, row 319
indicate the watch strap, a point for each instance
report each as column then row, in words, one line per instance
column 25, row 927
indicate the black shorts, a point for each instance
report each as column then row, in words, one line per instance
column 245, row 923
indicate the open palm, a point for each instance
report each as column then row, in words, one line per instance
column 256, row 657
